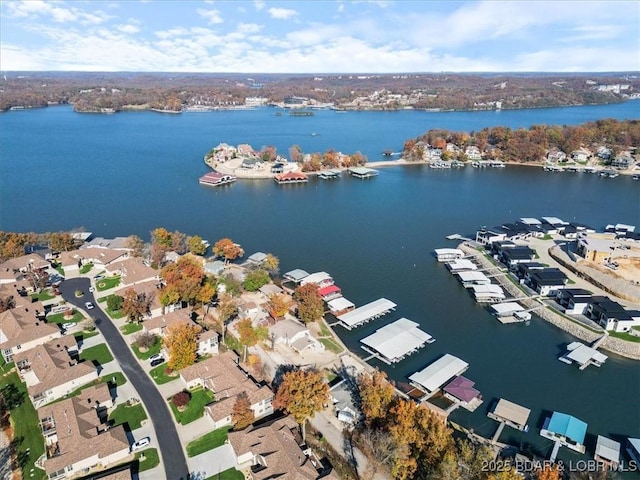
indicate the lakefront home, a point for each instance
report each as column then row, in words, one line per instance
column 23, row 328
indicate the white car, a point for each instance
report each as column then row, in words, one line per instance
column 68, row 325
column 91, row 289
column 89, row 305
column 143, row 442
column 157, row 356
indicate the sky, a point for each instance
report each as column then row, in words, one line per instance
column 320, row 36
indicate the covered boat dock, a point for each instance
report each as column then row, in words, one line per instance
column 431, row 378
column 583, row 355
column 295, row 276
column 469, row 278
column 339, row 306
column 488, row 293
column 363, row 172
column 565, row 431
column 511, row 414
column 461, row 264
column 448, row 254
column 322, row 279
column 366, row 313
column 395, row 341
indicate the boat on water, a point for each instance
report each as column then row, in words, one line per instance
column 636, row 177
column 216, row 179
column 301, row 113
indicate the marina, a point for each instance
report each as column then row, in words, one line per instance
column 216, row 179
column 395, row 341
column 366, row 313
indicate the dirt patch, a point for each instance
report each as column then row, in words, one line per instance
column 628, row 269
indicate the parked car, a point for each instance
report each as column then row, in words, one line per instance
column 157, row 361
column 155, row 357
column 68, row 325
column 89, row 305
column 143, row 442
column 91, row 289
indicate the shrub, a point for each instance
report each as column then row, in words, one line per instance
column 181, row 399
column 114, row 302
column 145, row 340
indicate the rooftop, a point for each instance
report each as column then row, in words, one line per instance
column 567, row 426
column 432, row 377
column 397, row 339
column 512, row 412
column 367, row 312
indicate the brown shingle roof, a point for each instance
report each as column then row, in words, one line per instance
column 20, row 325
column 277, row 445
column 103, row 256
column 149, row 288
column 163, row 321
column 25, row 262
column 133, row 270
column 76, row 425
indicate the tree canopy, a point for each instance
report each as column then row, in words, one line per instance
column 310, row 306
column 227, row 249
column 181, row 340
column 136, row 306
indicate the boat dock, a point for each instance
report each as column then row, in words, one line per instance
column 329, row 174
column 366, row 313
column 509, row 414
column 565, row 431
column 448, row 254
column 291, row 177
column 363, row 172
column 430, row 379
column 216, row 179
column 583, row 355
column 395, row 341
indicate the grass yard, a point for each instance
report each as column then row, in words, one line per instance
column 86, row 268
column 159, row 375
column 98, row 354
column 324, row 329
column 199, row 398
column 151, row 459
column 207, row 442
column 625, row 336
column 115, row 314
column 107, row 283
column 331, row 345
column 131, row 415
column 59, row 318
column 85, row 334
column 231, row 474
column 129, row 328
column 46, row 294
column 114, row 379
column 154, row 349
column 26, row 430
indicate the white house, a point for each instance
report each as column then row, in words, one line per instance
column 295, row 335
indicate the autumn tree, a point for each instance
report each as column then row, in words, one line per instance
column 295, row 153
column 37, row 278
column 185, row 281
column 379, row 447
column 181, row 341
column 196, row 245
column 250, row 335
column 375, row 394
column 255, row 279
column 242, row 415
column 549, row 472
column 278, row 305
column 310, row 306
column 161, row 236
column 61, row 241
column 178, row 242
column 271, row 264
column 136, row 244
column 136, row 306
column 226, row 248
column 302, row 393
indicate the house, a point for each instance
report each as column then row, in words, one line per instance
column 151, row 289
column 575, row 300
column 71, row 261
column 103, row 256
column 523, row 269
column 604, row 153
column 607, row 452
column 208, row 343
column 223, row 376
column 158, row 325
column 270, row 289
column 513, row 256
column 546, row 281
column 215, row 267
column 132, row 271
column 580, row 155
column 554, row 156
column 276, row 450
column 52, row 370
column 245, row 149
column 622, row 161
column 77, row 435
column 295, row 335
column 611, row 315
column 24, row 327
column 116, row 243
column 597, row 248
column 25, row 263
column 460, row 390
column 473, row 153
column 249, row 309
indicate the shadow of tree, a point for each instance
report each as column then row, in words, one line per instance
column 11, row 397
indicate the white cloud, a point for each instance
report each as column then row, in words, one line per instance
column 212, row 16
column 128, row 28
column 55, row 11
column 249, row 27
column 282, row 13
column 340, row 7
column 259, row 4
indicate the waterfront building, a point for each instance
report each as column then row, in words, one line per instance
column 431, row 378
column 23, row 328
column 470, row 278
column 607, row 452
column 546, row 281
column 575, row 300
column 321, row 279
column 291, row 177
column 340, row 306
column 511, row 414
column 565, row 431
column 448, row 254
column 366, row 313
column 295, row 335
column 488, row 293
column 216, row 179
column 511, row 309
column 461, row 391
column 461, row 265
column 395, row 341
column 330, row 292
column 257, row 258
column 515, row 255
column 329, row 174
column 363, row 172
column 611, row 315
column 583, row 355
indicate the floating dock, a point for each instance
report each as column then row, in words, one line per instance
column 363, row 172
column 583, row 356
column 565, row 431
column 509, row 414
column 216, row 179
column 395, row 341
column 510, row 312
column 366, row 313
column 291, row 177
column 469, row 278
column 321, row 279
column 448, row 254
column 329, row 174
column 460, row 265
column 431, row 378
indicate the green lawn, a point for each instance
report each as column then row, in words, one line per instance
column 324, row 329
column 207, row 442
column 331, row 345
column 85, row 334
column 625, row 336
column 131, row 415
column 46, row 294
column 86, row 268
column 29, row 443
column 155, row 348
column 130, row 328
column 151, row 459
column 160, row 377
column 107, row 283
column 199, row 398
column 115, row 314
column 98, row 354
column 231, row 474
column 59, row 318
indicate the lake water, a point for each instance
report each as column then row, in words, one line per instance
column 131, row 172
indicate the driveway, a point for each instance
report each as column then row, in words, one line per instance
column 212, row 462
column 175, row 464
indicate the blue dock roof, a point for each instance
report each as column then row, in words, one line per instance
column 568, row 426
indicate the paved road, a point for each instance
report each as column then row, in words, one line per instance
column 175, row 464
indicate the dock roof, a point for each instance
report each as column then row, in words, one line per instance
column 328, row 290
column 439, row 372
column 449, row 251
column 397, row 339
column 568, row 426
column 473, row 276
column 360, row 171
column 490, row 289
column 506, row 308
column 462, row 264
column 317, row 277
column 339, row 304
column 295, row 275
column 462, row 388
column 366, row 312
column 608, row 449
column 582, row 354
column 512, row 412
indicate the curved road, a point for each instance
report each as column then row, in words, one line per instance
column 173, row 459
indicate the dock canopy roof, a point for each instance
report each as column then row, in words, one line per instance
column 330, row 290
column 366, row 312
column 397, row 339
column 608, row 449
column 439, row 372
column 448, row 253
column 363, row 171
column 507, row 308
column 318, row 277
column 339, row 304
column 511, row 412
column 462, row 388
column 295, row 275
column 473, row 277
column 568, row 426
column 257, row 257
column 462, row 264
column 583, row 354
